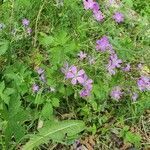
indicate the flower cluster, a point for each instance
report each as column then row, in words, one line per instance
column 134, row 96
column 94, row 6
column 82, row 55
column 116, row 93
column 97, row 13
column 78, row 77
column 104, row 45
column 36, row 87
column 118, row 17
column 41, row 74
column 25, row 23
column 87, row 86
column 127, row 68
column 114, row 63
column 144, row 83
column 75, row 75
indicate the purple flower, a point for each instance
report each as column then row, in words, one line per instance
column 29, row 31
column 40, row 71
column 87, row 82
column 95, row 7
column 114, row 63
column 116, row 93
column 84, row 93
column 42, row 78
column 111, row 70
column 25, row 22
column 127, row 68
column 35, row 88
column 65, row 68
column 103, row 44
column 144, row 83
column 134, row 96
column 88, row 4
column 98, row 16
column 118, row 17
column 82, row 55
column 75, row 75
column 79, row 76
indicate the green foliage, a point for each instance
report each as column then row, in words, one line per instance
column 50, row 103
column 4, row 45
column 131, row 137
column 55, row 132
column 47, row 110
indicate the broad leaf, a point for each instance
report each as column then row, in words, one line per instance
column 55, row 132
column 3, row 47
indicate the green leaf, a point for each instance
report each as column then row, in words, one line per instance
column 4, row 45
column 2, row 87
column 129, row 3
column 9, row 91
column 3, row 95
column 45, row 40
column 101, row 90
column 55, row 102
column 5, row 98
column 56, row 53
column 19, row 131
column 55, row 132
column 14, row 105
column 47, row 110
column 39, row 99
column 61, row 38
column 133, row 138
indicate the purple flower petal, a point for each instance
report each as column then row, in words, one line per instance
column 116, row 93
column 118, row 17
column 95, row 7
column 127, row 68
column 134, row 96
column 103, row 44
column 80, row 80
column 82, row 55
column 73, row 69
column 74, row 81
column 98, row 16
column 81, row 72
column 144, row 83
column 35, row 88
column 40, row 71
column 88, row 4
column 70, row 75
column 25, row 22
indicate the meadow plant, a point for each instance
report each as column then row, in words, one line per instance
column 74, row 74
